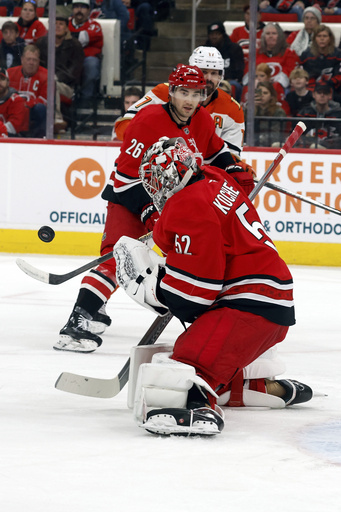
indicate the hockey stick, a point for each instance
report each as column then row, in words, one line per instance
column 49, row 278
column 108, row 388
column 305, row 199
column 288, row 145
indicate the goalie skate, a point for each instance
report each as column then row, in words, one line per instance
column 76, row 335
column 184, row 422
column 295, row 392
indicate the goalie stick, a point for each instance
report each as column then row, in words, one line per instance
column 108, row 388
column 49, row 278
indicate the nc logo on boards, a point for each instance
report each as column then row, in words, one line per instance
column 85, row 178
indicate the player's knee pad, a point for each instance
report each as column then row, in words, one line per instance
column 164, row 383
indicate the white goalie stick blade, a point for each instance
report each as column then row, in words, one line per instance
column 89, row 386
column 108, row 388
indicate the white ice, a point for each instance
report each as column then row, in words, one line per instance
column 63, row 452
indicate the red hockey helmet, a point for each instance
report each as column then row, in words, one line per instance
column 190, row 77
column 166, row 167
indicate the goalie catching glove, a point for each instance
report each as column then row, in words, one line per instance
column 138, row 269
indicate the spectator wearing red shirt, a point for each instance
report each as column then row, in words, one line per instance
column 241, row 35
column 30, row 80
column 13, row 113
column 90, row 35
column 30, row 28
column 274, row 52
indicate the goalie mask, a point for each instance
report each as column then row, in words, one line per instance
column 166, row 167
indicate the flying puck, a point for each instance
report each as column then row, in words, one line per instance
column 46, row 234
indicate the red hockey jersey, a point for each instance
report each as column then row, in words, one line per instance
column 225, row 111
column 13, row 115
column 92, row 47
column 218, row 254
column 281, row 66
column 32, row 88
column 241, row 36
column 148, row 126
column 32, row 32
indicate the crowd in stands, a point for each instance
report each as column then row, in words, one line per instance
column 293, row 70
column 78, row 52
column 298, row 74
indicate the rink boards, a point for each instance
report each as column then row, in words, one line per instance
column 59, row 183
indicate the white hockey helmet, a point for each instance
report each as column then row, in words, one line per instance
column 166, row 167
column 207, row 57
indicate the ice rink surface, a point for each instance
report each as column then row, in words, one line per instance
column 63, row 452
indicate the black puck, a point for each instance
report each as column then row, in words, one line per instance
column 46, row 234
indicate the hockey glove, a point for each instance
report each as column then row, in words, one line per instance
column 150, row 216
column 137, row 272
column 243, row 165
column 242, row 177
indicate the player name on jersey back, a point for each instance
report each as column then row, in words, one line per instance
column 226, row 197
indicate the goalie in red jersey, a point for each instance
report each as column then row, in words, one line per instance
column 130, row 211
column 221, row 273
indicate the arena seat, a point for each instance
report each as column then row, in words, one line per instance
column 277, row 18
column 332, row 18
column 17, row 11
column 131, row 21
column 3, row 11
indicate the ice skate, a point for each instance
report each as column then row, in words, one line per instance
column 295, row 392
column 100, row 321
column 184, row 422
column 76, row 335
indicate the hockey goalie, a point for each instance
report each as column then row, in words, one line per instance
column 222, row 275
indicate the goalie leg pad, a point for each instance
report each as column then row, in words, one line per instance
column 164, row 384
column 142, row 354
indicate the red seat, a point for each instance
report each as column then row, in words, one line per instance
column 331, row 18
column 268, row 16
column 131, row 21
column 17, row 11
column 3, row 11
